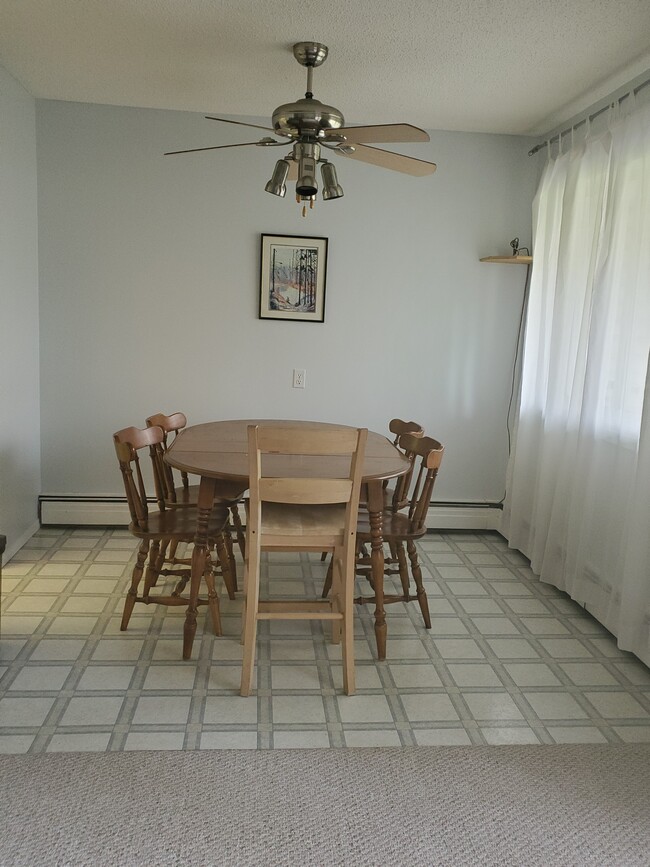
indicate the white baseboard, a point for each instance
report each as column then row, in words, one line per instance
column 113, row 511
column 82, row 511
column 451, row 516
column 15, row 545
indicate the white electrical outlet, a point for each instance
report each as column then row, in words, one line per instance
column 298, row 378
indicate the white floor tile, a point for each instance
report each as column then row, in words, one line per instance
column 24, row 712
column 369, row 738
column 170, row 677
column 555, row 705
column 588, row 674
column 633, row 734
column 474, row 674
column 106, row 677
column 31, row 604
column 228, row 741
column 41, row 678
column 458, row 648
column 162, row 710
column 576, row 735
column 14, row 744
column 616, row 705
column 492, row 706
column 510, row 735
column 363, row 709
column 298, row 709
column 92, row 711
column 228, row 710
column 531, row 674
column 447, row 737
column 429, row 708
column 95, row 742
column 118, row 649
column 411, row 676
column 154, row 741
column 300, row 740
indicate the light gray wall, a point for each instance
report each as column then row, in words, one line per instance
column 20, row 461
column 149, row 291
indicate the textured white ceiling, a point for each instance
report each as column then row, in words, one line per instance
column 504, row 66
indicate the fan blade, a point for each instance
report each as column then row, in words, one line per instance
column 381, row 132
column 293, row 171
column 240, row 123
column 244, row 144
column 391, row 160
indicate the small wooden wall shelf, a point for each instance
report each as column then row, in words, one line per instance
column 509, row 260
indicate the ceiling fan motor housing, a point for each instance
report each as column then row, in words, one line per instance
column 306, row 117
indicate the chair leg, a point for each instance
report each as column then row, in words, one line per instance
column 252, row 585
column 347, row 599
column 213, row 599
column 338, row 602
column 402, row 566
column 132, row 595
column 153, row 568
column 227, row 538
column 161, row 562
column 172, row 552
column 417, row 577
column 224, row 562
column 239, row 530
column 327, row 586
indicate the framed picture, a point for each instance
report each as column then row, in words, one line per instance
column 292, row 279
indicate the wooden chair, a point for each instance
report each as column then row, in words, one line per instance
column 401, row 529
column 398, row 427
column 185, row 494
column 393, row 497
column 303, row 514
column 396, row 497
column 158, row 529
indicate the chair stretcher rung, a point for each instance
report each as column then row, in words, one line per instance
column 309, row 610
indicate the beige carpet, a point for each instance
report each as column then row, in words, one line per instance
column 510, row 805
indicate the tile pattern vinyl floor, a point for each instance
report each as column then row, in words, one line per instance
column 508, row 660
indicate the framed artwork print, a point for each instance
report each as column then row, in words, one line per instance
column 292, row 278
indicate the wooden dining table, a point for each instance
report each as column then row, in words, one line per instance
column 218, row 451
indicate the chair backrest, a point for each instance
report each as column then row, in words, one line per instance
column 429, row 452
column 398, row 427
column 128, row 443
column 170, row 424
column 317, row 445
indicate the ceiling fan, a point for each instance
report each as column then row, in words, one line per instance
column 314, row 127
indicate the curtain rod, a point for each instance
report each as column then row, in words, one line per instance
column 589, row 118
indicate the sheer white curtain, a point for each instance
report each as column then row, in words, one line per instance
column 578, row 491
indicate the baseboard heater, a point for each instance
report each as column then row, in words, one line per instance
column 112, row 511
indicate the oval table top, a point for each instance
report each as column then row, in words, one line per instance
column 219, row 449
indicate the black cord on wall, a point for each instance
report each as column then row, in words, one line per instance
column 518, row 347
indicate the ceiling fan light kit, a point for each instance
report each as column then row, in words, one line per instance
column 311, row 126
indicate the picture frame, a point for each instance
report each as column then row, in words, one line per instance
column 293, row 271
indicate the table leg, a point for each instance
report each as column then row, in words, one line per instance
column 375, row 514
column 199, row 555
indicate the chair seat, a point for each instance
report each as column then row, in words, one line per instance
column 395, row 525
column 228, row 493
column 179, row 524
column 286, row 520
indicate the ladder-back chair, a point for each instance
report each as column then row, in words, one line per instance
column 230, row 493
column 309, row 513
column 162, row 527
